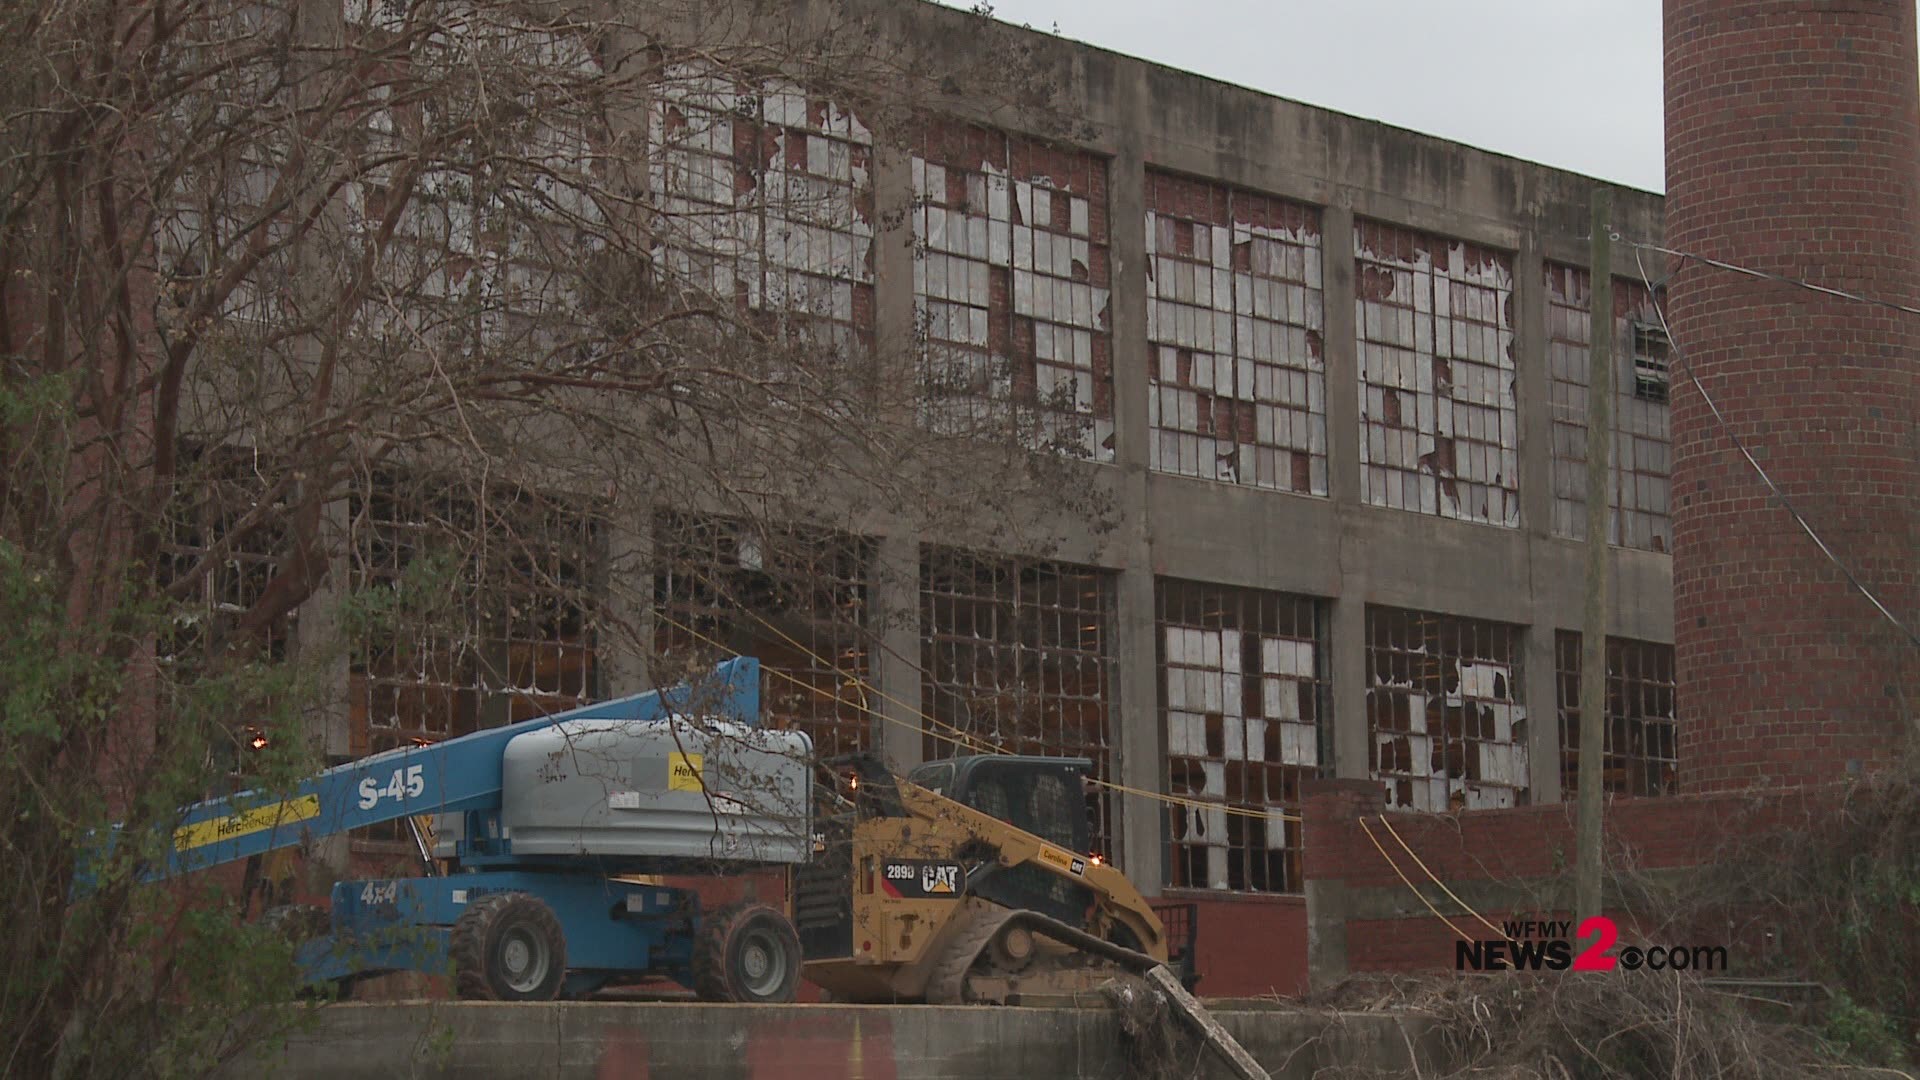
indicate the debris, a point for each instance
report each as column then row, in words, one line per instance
column 1196, row 1014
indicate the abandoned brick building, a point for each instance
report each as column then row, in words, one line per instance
column 1333, row 376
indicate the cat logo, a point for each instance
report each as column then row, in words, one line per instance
column 916, row 879
column 939, row 878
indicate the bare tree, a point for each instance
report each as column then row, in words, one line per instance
column 433, row 297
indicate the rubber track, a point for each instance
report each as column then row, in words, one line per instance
column 947, row 984
column 467, row 949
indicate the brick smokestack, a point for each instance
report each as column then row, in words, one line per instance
column 1793, row 146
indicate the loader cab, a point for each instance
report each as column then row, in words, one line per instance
column 1046, row 796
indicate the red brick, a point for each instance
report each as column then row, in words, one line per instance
column 1791, row 141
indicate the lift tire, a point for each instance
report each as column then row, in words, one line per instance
column 508, row 947
column 747, row 953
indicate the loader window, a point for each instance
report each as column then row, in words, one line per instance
column 1041, row 797
column 935, row 778
column 1052, row 811
column 1038, row 800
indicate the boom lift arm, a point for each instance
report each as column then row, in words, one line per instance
column 461, row 775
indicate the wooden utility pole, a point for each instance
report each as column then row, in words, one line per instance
column 1593, row 629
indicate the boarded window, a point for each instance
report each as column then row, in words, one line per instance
column 1243, row 700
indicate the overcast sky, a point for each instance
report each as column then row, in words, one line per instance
column 1570, row 83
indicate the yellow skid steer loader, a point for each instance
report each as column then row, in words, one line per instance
column 969, row 881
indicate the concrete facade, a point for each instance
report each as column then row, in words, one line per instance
column 1144, row 119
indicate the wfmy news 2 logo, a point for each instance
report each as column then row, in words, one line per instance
column 1549, row 945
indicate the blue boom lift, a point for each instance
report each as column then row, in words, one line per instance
column 539, row 820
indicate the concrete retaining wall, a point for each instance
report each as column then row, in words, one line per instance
column 480, row 1041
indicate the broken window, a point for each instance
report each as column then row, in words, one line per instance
column 1650, row 349
column 1642, row 453
column 1238, row 382
column 792, row 597
column 1444, row 715
column 489, row 595
column 1437, row 400
column 1243, row 696
column 1018, row 655
column 765, row 197
column 1640, row 747
column 1011, row 288
column 488, row 231
column 477, row 607
column 206, row 536
column 219, row 489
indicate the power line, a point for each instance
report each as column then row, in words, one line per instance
column 1686, row 368
column 1404, row 880
column 1433, row 877
column 959, row 737
column 1749, row 271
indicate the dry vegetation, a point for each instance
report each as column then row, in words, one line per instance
column 1823, row 920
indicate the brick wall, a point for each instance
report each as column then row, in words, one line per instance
column 1526, row 853
column 1250, row 945
column 1791, row 148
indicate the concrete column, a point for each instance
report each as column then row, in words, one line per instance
column 893, row 264
column 1339, row 350
column 1532, row 390
column 626, row 633
column 895, row 628
column 1138, row 822
column 1135, row 721
column 1347, row 634
column 1347, row 622
column 320, row 645
column 1543, row 710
